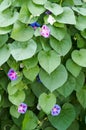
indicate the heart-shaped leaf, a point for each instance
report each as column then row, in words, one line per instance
column 64, row 119
column 21, row 32
column 81, row 96
column 46, row 102
column 4, row 54
column 17, row 98
column 14, row 111
column 49, row 60
column 58, row 33
column 35, row 9
column 61, row 47
column 67, row 16
column 54, row 8
column 30, row 121
column 5, row 4
column 24, row 50
column 55, row 80
column 79, row 57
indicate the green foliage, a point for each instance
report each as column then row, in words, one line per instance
column 49, row 70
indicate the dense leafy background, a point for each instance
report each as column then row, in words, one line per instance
column 50, row 70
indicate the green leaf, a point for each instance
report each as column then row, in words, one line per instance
column 67, row 16
column 23, row 50
column 11, row 89
column 73, row 68
column 46, row 102
column 66, row 117
column 49, row 61
column 39, row 2
column 81, row 96
column 3, row 39
column 17, row 98
column 30, row 121
column 35, row 9
column 14, row 127
column 5, row 30
column 83, row 33
column 31, row 73
column 61, row 47
column 55, row 80
column 58, row 33
column 67, row 88
column 79, row 57
column 8, row 18
column 5, row 4
column 21, row 32
column 80, row 80
column 80, row 10
column 56, row 9
column 81, row 22
column 74, row 126
column 4, row 54
column 31, row 62
column 14, row 111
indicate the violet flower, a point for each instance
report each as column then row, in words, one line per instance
column 55, row 110
column 45, row 31
column 12, row 74
column 48, row 12
column 35, row 25
column 22, row 108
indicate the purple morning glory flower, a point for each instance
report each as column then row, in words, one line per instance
column 48, row 12
column 12, row 74
column 45, row 31
column 35, row 25
column 22, row 108
column 55, row 110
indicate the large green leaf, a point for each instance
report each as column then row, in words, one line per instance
column 49, row 61
column 7, row 18
column 81, row 22
column 14, row 111
column 31, row 73
column 80, row 10
column 55, row 80
column 79, row 57
column 67, row 16
column 35, row 9
column 81, row 96
column 80, row 80
column 30, row 121
column 73, row 68
column 67, row 88
column 53, row 7
column 46, row 102
column 5, row 4
column 23, row 50
column 61, row 47
column 21, row 32
column 66, row 117
column 3, row 39
column 17, row 98
column 5, row 30
column 58, row 33
column 39, row 2
column 4, row 54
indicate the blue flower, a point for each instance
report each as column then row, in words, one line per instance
column 55, row 110
column 35, row 25
column 12, row 74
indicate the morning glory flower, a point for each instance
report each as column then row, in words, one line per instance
column 35, row 25
column 22, row 108
column 55, row 110
column 45, row 31
column 12, row 74
column 51, row 20
column 48, row 12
